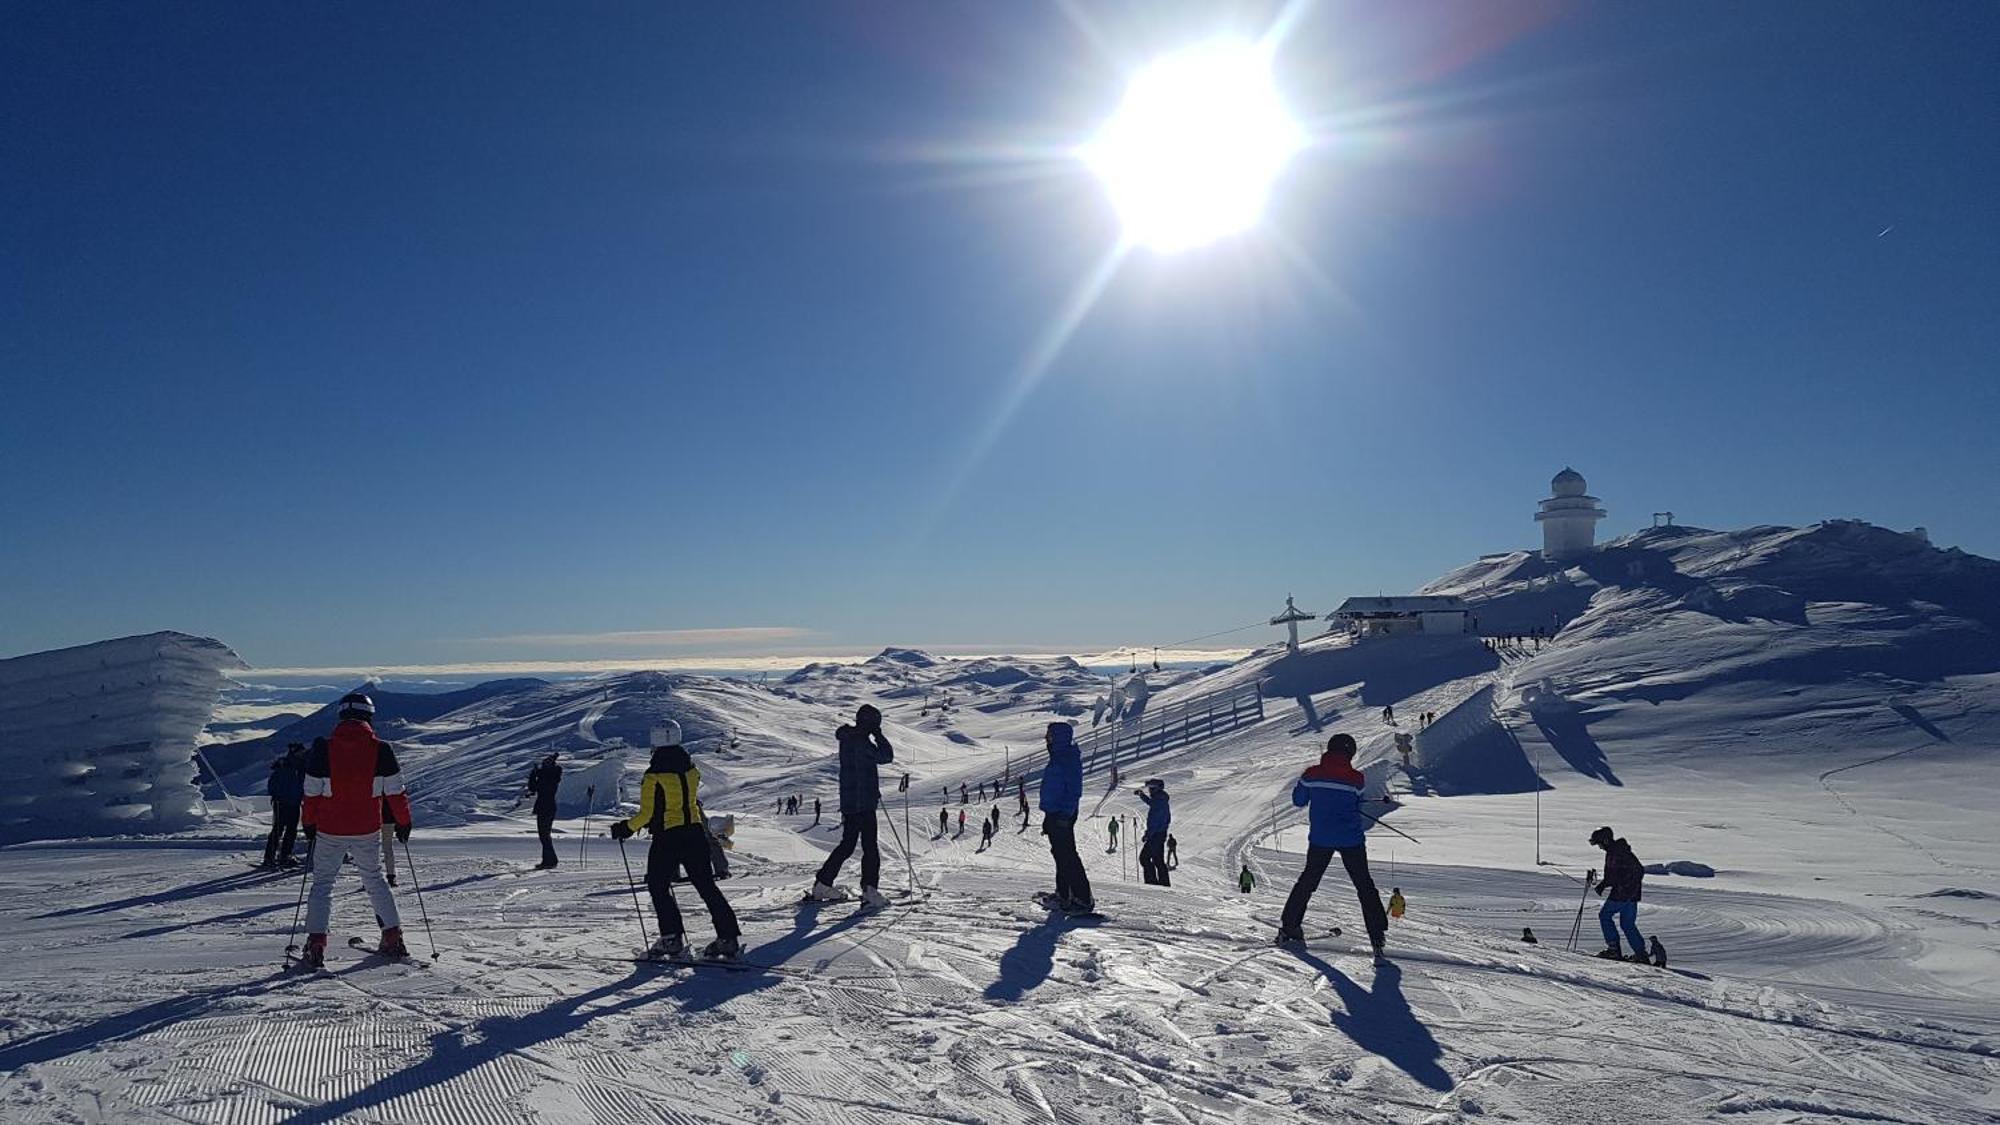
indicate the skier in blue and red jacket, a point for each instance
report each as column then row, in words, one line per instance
column 1331, row 791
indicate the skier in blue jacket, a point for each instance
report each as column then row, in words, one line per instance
column 863, row 748
column 1062, row 792
column 1332, row 791
column 1159, row 815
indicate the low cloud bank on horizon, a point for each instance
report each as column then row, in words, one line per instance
column 652, row 638
column 722, row 663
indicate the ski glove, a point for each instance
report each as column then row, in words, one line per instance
column 620, row 830
column 403, row 833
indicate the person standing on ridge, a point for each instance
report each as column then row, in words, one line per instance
column 1332, row 791
column 288, row 790
column 543, row 783
column 863, row 750
column 1153, row 851
column 1062, row 792
column 1623, row 876
column 670, row 809
column 348, row 781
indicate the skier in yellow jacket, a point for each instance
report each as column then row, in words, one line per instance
column 670, row 808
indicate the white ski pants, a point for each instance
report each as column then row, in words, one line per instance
column 327, row 855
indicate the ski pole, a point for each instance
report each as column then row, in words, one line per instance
column 640, row 914
column 1576, row 927
column 292, row 940
column 905, row 849
column 410, row 862
column 1393, row 828
column 582, row 856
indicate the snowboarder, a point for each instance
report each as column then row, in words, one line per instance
column 1062, row 791
column 1623, row 874
column 1396, row 903
column 543, row 782
column 863, row 749
column 1332, row 791
column 1153, row 850
column 344, row 777
column 1113, row 828
column 1173, row 852
column 670, row 809
column 287, row 789
column 1246, row 880
column 1528, row 935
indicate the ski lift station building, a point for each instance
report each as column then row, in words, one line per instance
column 1431, row 614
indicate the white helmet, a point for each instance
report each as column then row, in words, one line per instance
column 667, row 733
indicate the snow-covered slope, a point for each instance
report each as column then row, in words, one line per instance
column 1808, row 712
column 99, row 739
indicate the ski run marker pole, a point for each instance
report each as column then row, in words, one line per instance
column 582, row 856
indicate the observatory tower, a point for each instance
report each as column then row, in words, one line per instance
column 1568, row 518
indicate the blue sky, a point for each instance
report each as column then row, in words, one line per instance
column 378, row 334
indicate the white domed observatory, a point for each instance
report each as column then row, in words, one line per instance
column 1568, row 518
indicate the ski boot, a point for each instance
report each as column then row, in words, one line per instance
column 822, row 893
column 872, row 899
column 1640, row 958
column 722, row 949
column 269, row 864
column 1611, row 953
column 392, row 878
column 1659, row 954
column 1290, row 935
column 1381, row 958
column 1079, row 906
column 392, row 943
column 288, row 862
column 1047, row 900
column 667, row 947
column 314, row 956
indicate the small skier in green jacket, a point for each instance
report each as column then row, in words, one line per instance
column 1246, row 880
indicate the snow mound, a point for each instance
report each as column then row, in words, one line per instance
column 99, row 739
column 1683, row 867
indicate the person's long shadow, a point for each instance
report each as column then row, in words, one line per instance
column 721, row 986
column 1030, row 960
column 49, row 1045
column 459, row 1051
column 235, row 881
column 1382, row 1023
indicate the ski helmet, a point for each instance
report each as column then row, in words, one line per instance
column 667, row 733
column 1341, row 744
column 1602, row 836
column 357, row 705
column 868, row 717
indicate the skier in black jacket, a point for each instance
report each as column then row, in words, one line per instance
column 543, row 783
column 288, row 791
column 1623, row 876
column 863, row 748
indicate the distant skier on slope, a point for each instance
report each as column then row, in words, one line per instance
column 1396, row 903
column 1332, row 791
column 348, row 780
column 670, row 809
column 287, row 789
column 1173, row 853
column 544, row 781
column 1159, row 814
column 1062, row 792
column 1113, row 829
column 1623, row 875
column 863, row 748
column 944, row 821
column 1246, row 881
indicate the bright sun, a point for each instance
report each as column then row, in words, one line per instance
column 1190, row 154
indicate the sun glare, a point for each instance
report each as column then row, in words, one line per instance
column 1190, row 154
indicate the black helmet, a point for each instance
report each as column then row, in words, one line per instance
column 868, row 717
column 1602, row 836
column 357, row 705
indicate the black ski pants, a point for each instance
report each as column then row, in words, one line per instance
column 855, row 828
column 545, row 820
column 685, row 850
column 284, row 829
column 1072, row 884
column 1355, row 859
column 1153, row 859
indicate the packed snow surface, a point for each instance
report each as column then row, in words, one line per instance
column 1795, row 724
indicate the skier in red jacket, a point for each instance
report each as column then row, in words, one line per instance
column 349, row 781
